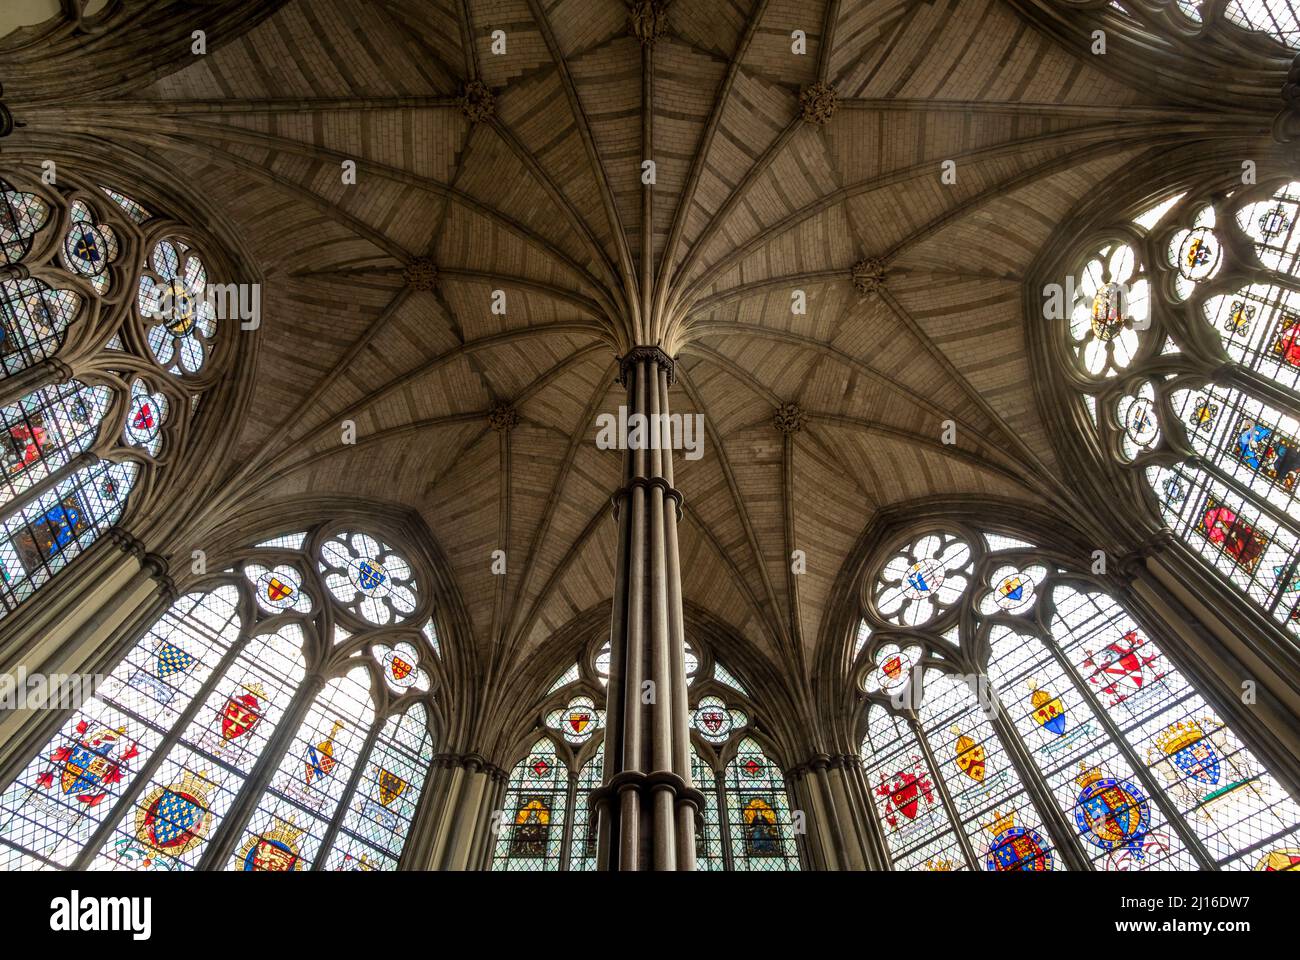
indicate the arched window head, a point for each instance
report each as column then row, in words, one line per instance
column 1184, row 342
column 236, row 688
column 532, row 828
column 1037, row 684
column 108, row 310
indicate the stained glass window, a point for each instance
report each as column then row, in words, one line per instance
column 85, row 244
column 1214, row 439
column 758, row 812
column 1143, row 773
column 294, row 814
column 708, row 840
column 383, row 803
column 146, row 774
column 582, row 853
column 531, row 835
column 70, row 787
column 1281, row 18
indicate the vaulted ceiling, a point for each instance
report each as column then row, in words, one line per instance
column 539, row 193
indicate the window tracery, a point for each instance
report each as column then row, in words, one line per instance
column 1036, row 685
column 746, row 823
column 79, row 285
column 235, row 681
column 1203, row 400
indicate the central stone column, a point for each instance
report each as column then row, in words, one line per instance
column 647, row 806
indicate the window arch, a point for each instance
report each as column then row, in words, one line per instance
column 105, row 311
column 235, row 684
column 1031, row 724
column 1185, row 344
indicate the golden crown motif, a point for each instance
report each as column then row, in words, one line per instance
column 1179, row 736
column 1001, row 822
column 286, row 832
column 194, row 784
column 939, row 866
column 1088, row 775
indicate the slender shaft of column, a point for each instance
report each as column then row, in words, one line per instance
column 647, row 806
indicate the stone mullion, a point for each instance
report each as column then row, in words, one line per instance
column 566, row 834
column 940, row 784
column 724, row 818
column 231, row 828
column 341, row 811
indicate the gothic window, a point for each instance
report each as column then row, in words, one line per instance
column 708, row 842
column 1036, row 685
column 75, row 447
column 1181, row 343
column 758, row 813
column 231, row 687
column 761, row 837
column 532, row 829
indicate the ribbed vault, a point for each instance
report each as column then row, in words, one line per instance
column 522, row 172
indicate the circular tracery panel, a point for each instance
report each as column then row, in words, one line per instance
column 89, row 246
column 1111, row 305
column 176, row 301
column 368, row 577
column 924, row 579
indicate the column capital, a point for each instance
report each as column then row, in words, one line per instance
column 152, row 563
column 646, row 483
column 472, row 763
column 650, row 354
column 648, row 783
